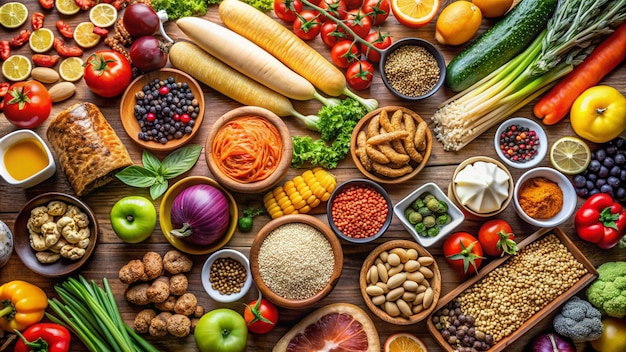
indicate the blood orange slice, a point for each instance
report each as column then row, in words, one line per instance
column 336, row 327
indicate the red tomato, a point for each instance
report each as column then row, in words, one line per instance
column 261, row 316
column 377, row 10
column 331, row 33
column 286, row 9
column 358, row 22
column 496, row 238
column 307, row 25
column 344, row 53
column 463, row 252
column 336, row 8
column 353, row 4
column 107, row 73
column 360, row 74
column 378, row 39
column 27, row 104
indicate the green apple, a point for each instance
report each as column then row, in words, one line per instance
column 221, row 330
column 133, row 219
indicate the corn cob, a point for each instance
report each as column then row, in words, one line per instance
column 300, row 194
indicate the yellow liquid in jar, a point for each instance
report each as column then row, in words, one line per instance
column 25, row 158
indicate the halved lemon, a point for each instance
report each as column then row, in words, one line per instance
column 84, row 35
column 570, row 155
column 414, row 13
column 103, row 15
column 66, row 7
column 13, row 14
column 404, row 342
column 17, row 68
column 71, row 69
column 41, row 40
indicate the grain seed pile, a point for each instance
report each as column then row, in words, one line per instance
column 227, row 276
column 296, row 261
column 412, row 70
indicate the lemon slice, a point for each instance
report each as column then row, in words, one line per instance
column 570, row 155
column 412, row 13
column 103, row 15
column 13, row 14
column 41, row 40
column 84, row 35
column 66, row 7
column 71, row 69
column 16, row 68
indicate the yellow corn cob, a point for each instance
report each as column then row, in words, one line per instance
column 301, row 194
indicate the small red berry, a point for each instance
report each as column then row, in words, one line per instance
column 150, row 117
column 185, row 118
column 164, row 90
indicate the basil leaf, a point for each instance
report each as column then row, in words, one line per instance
column 180, row 161
column 157, row 189
column 150, row 161
column 137, row 176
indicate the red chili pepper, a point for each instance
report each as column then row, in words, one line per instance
column 46, row 4
column 36, row 20
column 85, row 4
column 119, row 4
column 65, row 29
column 20, row 39
column 66, row 51
column 45, row 60
column 601, row 220
column 43, row 337
column 5, row 49
column 101, row 31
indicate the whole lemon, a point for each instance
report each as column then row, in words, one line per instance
column 458, row 23
column 493, row 8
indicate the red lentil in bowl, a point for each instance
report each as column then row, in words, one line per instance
column 359, row 210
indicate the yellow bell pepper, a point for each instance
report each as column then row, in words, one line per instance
column 22, row 304
column 599, row 114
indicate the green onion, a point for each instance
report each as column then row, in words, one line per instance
column 565, row 42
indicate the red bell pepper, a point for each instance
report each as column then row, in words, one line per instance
column 601, row 220
column 43, row 337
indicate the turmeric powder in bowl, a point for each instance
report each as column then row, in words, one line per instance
column 540, row 198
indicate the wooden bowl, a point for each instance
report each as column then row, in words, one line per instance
column 64, row 266
column 127, row 105
column 165, row 216
column 283, row 164
column 256, row 249
column 435, row 282
column 372, row 175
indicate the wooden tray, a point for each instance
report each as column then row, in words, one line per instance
column 591, row 275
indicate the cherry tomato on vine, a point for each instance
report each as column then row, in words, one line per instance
column 360, row 74
column 307, row 25
column 286, row 9
column 331, row 33
column 378, row 39
column 353, row 4
column 358, row 22
column 496, row 238
column 344, row 53
column 377, row 10
column 336, row 8
column 261, row 316
column 463, row 252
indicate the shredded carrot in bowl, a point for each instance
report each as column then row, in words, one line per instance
column 247, row 149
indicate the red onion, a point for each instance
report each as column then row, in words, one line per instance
column 200, row 215
column 148, row 54
column 551, row 342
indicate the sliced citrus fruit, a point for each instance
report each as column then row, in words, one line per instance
column 16, row 68
column 414, row 13
column 66, row 7
column 103, row 15
column 41, row 40
column 570, row 155
column 404, row 342
column 71, row 69
column 458, row 23
column 84, row 35
column 13, row 14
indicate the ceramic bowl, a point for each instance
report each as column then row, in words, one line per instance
column 64, row 266
column 165, row 215
column 542, row 148
column 38, row 177
column 242, row 186
column 434, row 281
column 128, row 102
column 370, row 173
column 206, row 274
column 569, row 197
column 453, row 211
column 441, row 63
column 360, row 183
column 256, row 253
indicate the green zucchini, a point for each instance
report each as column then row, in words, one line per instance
column 499, row 44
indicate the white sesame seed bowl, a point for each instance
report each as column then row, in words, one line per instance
column 240, row 285
column 520, row 160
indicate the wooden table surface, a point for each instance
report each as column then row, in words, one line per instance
column 111, row 253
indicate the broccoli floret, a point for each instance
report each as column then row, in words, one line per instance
column 578, row 320
column 608, row 291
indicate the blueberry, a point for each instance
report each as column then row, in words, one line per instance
column 579, row 181
column 620, row 193
column 615, row 170
column 619, row 158
column 594, row 165
column 608, row 162
column 613, row 181
column 600, row 182
column 582, row 192
column 622, row 175
column 592, row 177
column 607, row 189
column 611, row 149
column 603, row 172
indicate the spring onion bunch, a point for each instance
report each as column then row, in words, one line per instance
column 565, row 42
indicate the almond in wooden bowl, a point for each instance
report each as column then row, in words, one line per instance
column 391, row 144
column 296, row 260
column 249, row 149
column 400, row 282
column 175, row 126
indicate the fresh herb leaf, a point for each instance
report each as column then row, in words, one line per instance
column 180, row 161
column 150, row 161
column 137, row 176
column 157, row 189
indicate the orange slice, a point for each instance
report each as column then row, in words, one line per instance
column 414, row 13
column 404, row 342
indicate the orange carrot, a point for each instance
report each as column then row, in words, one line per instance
column 247, row 149
column 553, row 106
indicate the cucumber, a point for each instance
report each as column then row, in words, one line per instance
column 502, row 42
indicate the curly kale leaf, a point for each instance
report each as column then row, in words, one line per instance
column 177, row 8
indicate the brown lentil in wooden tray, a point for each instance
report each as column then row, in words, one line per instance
column 579, row 271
